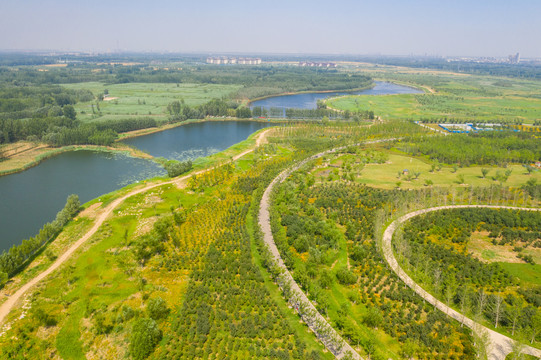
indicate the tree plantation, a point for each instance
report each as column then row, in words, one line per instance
column 274, row 248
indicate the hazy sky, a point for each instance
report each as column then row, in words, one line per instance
column 392, row 27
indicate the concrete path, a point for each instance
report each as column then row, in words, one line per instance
column 317, row 323
column 500, row 345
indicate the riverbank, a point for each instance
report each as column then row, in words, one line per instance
column 24, row 155
column 247, row 102
column 425, row 88
column 97, row 211
column 34, row 154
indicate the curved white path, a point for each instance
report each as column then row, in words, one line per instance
column 500, row 345
column 8, row 305
column 317, row 323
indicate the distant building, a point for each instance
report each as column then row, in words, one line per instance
column 514, row 59
column 317, row 64
column 233, row 60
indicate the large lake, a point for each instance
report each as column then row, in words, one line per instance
column 195, row 140
column 309, row 100
column 31, row 198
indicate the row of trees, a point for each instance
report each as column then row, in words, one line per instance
column 305, row 219
column 12, row 260
column 481, row 290
column 494, row 147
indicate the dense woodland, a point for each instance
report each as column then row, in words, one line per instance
column 34, row 107
column 435, row 248
column 483, row 148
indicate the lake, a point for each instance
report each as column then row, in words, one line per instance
column 195, row 140
column 309, row 100
column 31, row 198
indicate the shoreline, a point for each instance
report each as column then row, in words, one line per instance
column 49, row 152
column 247, row 102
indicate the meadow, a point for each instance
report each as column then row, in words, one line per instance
column 407, row 172
column 144, row 99
column 448, row 96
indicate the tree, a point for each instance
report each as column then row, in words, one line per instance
column 326, row 280
column 497, row 308
column 369, row 346
column 535, row 326
column 69, row 112
column 481, row 301
column 484, row 172
column 3, row 278
column 408, row 349
column 145, row 336
column 157, row 308
column 374, row 318
column 513, row 313
column 346, row 277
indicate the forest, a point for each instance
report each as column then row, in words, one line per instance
column 428, row 244
column 483, row 148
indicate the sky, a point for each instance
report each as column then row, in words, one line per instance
column 385, row 27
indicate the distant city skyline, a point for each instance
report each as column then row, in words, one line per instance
column 479, row 28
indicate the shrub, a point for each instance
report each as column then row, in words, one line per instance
column 144, row 337
column 157, row 308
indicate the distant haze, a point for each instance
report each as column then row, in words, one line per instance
column 394, row 27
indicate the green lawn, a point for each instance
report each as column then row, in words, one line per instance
column 145, row 99
column 527, row 273
column 386, row 175
column 466, row 97
column 407, row 106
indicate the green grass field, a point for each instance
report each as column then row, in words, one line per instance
column 144, row 99
column 385, row 175
column 528, row 274
column 406, row 106
column 459, row 96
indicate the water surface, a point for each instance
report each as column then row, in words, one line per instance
column 31, row 198
column 309, row 100
column 190, row 141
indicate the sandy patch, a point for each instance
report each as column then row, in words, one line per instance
column 91, row 211
column 109, row 98
column 481, row 247
column 145, row 225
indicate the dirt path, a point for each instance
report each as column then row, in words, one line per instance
column 500, row 345
column 8, row 305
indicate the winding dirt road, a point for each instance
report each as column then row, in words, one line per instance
column 500, row 345
column 8, row 305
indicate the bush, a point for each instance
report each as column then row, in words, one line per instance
column 157, row 308
column 175, row 168
column 346, row 277
column 144, row 338
column 45, row 319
